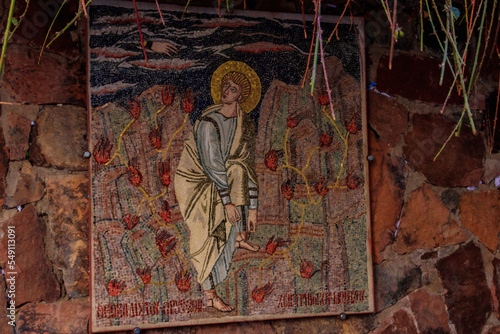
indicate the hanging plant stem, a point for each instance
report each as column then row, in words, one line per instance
column 472, row 78
column 335, row 30
column 496, row 117
column 445, row 52
column 496, row 37
column 320, row 38
column 385, row 4
column 77, row 16
column 462, row 82
column 310, row 50
column 161, row 15
column 6, row 34
column 140, row 32
column 303, row 18
column 487, row 42
column 20, row 19
column 458, row 64
column 82, row 4
column 315, row 60
column 393, row 39
column 186, row 8
column 50, row 29
column 437, row 38
column 421, row 26
column 449, row 92
column 455, row 130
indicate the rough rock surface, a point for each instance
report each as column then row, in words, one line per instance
column 496, row 286
column 425, row 223
column 62, row 137
column 467, row 295
column 67, row 317
column 35, row 280
column 395, row 279
column 400, row 322
column 460, row 164
column 4, row 164
column 491, row 169
column 17, row 133
column 30, row 82
column 380, row 109
column 410, row 85
column 480, row 213
column 4, row 324
column 430, row 312
column 387, row 187
column 68, row 228
column 23, row 184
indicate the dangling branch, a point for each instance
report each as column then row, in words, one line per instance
column 320, row 38
column 20, row 19
column 394, row 28
column 311, row 49
column 77, row 16
column 82, row 5
column 50, row 29
column 140, row 32
column 6, row 34
column 335, row 30
column 161, row 15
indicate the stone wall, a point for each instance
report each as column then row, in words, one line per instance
column 435, row 224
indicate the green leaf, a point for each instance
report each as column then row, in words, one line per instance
column 14, row 21
column 399, row 33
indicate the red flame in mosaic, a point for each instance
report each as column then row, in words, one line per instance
column 134, row 174
column 287, row 190
column 135, row 109
column 102, row 150
column 258, row 294
column 165, row 213
column 307, row 269
column 155, row 138
column 352, row 182
column 292, row 121
column 271, row 159
column 320, row 187
column 130, row 223
column 144, row 274
column 164, row 173
column 323, row 99
column 168, row 95
column 188, row 101
column 165, row 242
column 325, row 140
column 352, row 127
column 272, row 245
column 115, row 287
column 183, row 282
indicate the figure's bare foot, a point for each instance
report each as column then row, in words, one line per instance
column 216, row 302
column 247, row 245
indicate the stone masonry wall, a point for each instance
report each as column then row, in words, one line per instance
column 435, row 225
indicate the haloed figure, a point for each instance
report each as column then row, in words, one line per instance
column 215, row 182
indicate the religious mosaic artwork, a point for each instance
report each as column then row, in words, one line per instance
column 223, row 188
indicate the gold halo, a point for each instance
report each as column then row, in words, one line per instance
column 237, row 66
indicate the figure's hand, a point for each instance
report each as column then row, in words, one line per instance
column 232, row 213
column 252, row 220
column 168, row 48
